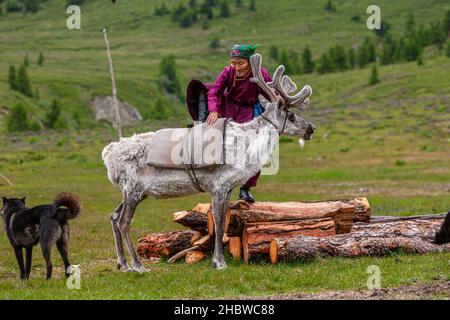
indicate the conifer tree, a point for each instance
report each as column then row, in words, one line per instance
column 374, row 76
column 23, row 82
column 308, row 64
column 12, row 79
column 40, row 61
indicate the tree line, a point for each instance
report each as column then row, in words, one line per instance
column 385, row 48
column 18, row 120
column 194, row 11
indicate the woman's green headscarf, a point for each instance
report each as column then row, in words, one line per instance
column 243, row 50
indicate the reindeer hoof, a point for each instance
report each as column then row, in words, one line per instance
column 123, row 267
column 139, row 269
column 219, row 265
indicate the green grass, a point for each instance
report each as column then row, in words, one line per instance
column 389, row 142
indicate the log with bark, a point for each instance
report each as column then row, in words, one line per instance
column 383, row 219
column 194, row 220
column 156, row 245
column 257, row 236
column 344, row 212
column 377, row 239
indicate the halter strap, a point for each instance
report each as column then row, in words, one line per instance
column 284, row 123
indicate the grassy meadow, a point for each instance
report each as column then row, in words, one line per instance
column 389, row 142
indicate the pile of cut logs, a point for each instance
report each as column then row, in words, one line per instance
column 292, row 231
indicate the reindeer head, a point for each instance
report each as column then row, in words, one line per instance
column 283, row 117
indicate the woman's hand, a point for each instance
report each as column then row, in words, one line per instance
column 212, row 117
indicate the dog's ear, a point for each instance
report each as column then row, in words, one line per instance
column 4, row 199
column 23, row 200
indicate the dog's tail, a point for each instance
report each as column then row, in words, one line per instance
column 443, row 235
column 71, row 204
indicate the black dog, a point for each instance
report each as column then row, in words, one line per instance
column 45, row 224
column 443, row 235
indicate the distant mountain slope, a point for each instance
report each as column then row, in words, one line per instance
column 75, row 68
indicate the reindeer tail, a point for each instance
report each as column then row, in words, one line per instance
column 71, row 204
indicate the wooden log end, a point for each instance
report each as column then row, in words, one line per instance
column 202, row 207
column 179, row 215
column 210, row 223
column 244, row 245
column 235, row 247
column 273, row 251
column 195, row 256
column 204, row 241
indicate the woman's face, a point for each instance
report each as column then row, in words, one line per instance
column 240, row 66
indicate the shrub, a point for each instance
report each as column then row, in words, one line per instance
column 168, row 75
column 215, row 43
column 224, row 9
column 374, row 76
column 18, row 120
column 52, row 117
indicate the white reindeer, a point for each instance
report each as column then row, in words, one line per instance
column 127, row 166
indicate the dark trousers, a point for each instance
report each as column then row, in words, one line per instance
column 252, row 181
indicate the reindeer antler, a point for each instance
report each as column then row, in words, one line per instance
column 255, row 63
column 283, row 85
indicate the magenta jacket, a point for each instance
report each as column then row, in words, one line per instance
column 237, row 104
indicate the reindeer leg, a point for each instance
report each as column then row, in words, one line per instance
column 121, row 259
column 130, row 205
column 220, row 203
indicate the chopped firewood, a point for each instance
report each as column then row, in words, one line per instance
column 197, row 236
column 192, row 219
column 202, row 207
column 182, row 254
column 256, row 237
column 194, row 256
column 383, row 219
column 235, row 246
column 210, row 220
column 210, row 223
column 377, row 239
column 204, row 241
column 156, row 245
column 344, row 213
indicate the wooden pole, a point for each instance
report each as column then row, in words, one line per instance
column 6, row 179
column 114, row 93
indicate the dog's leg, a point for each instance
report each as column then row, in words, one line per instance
column 47, row 236
column 121, row 259
column 62, row 244
column 220, row 203
column 45, row 247
column 19, row 257
column 29, row 256
column 130, row 205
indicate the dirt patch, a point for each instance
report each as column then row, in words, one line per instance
column 435, row 290
column 104, row 110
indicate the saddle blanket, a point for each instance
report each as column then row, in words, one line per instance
column 200, row 146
